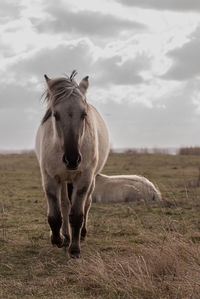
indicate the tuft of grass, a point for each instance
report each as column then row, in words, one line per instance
column 169, row 270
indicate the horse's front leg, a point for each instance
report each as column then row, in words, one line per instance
column 52, row 191
column 65, row 207
column 76, row 216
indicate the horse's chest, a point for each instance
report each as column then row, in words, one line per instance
column 60, row 173
column 69, row 176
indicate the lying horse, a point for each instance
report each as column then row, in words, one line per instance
column 72, row 146
column 124, row 188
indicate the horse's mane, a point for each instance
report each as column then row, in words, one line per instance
column 59, row 89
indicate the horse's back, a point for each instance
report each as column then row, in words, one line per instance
column 124, row 188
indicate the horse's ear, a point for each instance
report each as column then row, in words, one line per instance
column 47, row 79
column 83, row 85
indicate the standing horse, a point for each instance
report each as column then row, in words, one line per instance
column 72, row 146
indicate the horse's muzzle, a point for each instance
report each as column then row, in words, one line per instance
column 72, row 165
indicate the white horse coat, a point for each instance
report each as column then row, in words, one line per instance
column 124, row 188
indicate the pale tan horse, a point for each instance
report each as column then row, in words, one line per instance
column 72, row 146
column 124, row 188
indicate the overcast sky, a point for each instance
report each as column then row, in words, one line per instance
column 142, row 58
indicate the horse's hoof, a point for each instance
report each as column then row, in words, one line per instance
column 74, row 252
column 58, row 241
column 75, row 256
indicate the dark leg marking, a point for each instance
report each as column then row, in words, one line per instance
column 55, row 221
column 76, row 219
column 76, row 222
column 55, row 225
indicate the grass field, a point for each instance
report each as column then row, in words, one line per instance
column 133, row 250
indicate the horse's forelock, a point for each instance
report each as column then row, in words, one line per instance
column 73, row 75
column 60, row 89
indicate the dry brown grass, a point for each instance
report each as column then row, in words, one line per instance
column 167, row 270
column 133, row 250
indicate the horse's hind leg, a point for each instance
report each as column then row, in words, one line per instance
column 52, row 190
column 85, row 217
column 86, row 211
column 65, row 207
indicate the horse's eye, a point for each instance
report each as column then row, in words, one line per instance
column 56, row 115
column 83, row 115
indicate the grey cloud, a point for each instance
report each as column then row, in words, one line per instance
column 173, row 5
column 112, row 70
column 20, row 114
column 65, row 57
column 6, row 49
column 185, row 60
column 54, row 62
column 9, row 10
column 18, row 128
column 84, row 22
column 135, row 125
column 15, row 96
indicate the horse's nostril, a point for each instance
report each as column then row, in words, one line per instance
column 71, row 164
column 65, row 160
